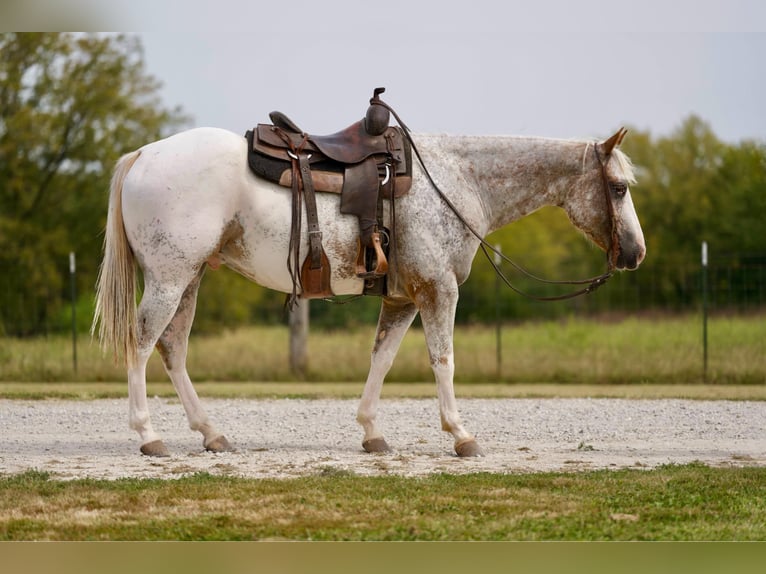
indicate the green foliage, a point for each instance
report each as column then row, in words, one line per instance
column 693, row 188
column 70, row 105
column 228, row 300
column 545, row 244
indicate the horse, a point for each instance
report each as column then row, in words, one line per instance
column 189, row 201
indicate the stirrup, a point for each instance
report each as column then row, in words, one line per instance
column 381, row 264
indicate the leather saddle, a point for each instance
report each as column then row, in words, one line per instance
column 365, row 163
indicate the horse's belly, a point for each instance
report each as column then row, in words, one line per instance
column 260, row 250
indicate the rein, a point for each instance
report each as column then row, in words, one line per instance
column 592, row 283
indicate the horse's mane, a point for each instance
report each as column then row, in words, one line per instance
column 628, row 170
column 626, row 166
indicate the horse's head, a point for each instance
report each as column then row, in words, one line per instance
column 602, row 208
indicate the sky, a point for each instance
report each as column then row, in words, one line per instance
column 552, row 68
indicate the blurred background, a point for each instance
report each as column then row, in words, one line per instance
column 688, row 87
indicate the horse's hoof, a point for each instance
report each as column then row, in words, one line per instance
column 155, row 448
column 219, row 444
column 376, row 445
column 468, row 447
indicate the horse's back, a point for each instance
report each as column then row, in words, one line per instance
column 191, row 165
column 197, row 150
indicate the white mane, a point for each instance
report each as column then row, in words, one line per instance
column 623, row 161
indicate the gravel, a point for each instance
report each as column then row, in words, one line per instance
column 284, row 438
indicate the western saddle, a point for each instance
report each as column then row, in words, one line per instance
column 367, row 162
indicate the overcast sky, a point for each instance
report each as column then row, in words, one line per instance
column 553, row 68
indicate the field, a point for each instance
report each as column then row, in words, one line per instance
column 633, row 350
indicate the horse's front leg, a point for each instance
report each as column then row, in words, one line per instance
column 437, row 303
column 395, row 318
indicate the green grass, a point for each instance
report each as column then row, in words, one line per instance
column 690, row 502
column 635, row 350
column 318, row 390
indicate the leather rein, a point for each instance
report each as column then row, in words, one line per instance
column 591, row 284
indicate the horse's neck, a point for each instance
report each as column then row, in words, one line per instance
column 515, row 176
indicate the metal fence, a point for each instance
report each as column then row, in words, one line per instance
column 736, row 284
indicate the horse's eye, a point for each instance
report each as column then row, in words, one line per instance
column 619, row 188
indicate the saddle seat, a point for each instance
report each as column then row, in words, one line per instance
column 348, row 146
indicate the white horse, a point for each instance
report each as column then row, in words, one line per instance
column 189, row 201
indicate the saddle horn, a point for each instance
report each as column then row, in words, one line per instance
column 376, row 120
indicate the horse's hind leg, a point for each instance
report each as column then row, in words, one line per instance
column 158, row 305
column 395, row 318
column 173, row 347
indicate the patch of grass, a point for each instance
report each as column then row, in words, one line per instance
column 634, row 350
column 318, row 390
column 691, row 502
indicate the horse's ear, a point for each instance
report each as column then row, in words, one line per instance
column 614, row 141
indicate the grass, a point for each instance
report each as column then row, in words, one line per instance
column 317, row 390
column 690, row 502
column 634, row 350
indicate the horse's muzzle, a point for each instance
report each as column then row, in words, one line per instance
column 630, row 258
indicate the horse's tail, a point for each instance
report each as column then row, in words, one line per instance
column 115, row 315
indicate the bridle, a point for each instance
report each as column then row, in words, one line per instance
column 619, row 189
column 592, row 283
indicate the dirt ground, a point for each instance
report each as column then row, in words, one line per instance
column 283, row 438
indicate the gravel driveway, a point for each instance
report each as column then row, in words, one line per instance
column 296, row 437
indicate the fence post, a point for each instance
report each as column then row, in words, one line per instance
column 73, row 283
column 298, row 320
column 704, row 311
column 498, row 330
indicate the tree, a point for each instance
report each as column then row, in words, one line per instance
column 70, row 105
column 692, row 187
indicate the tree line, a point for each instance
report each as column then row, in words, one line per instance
column 71, row 104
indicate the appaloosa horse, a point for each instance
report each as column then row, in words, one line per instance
column 189, row 201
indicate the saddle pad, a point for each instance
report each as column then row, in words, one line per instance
column 273, row 163
column 326, row 175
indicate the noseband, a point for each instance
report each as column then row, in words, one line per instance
column 591, row 284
